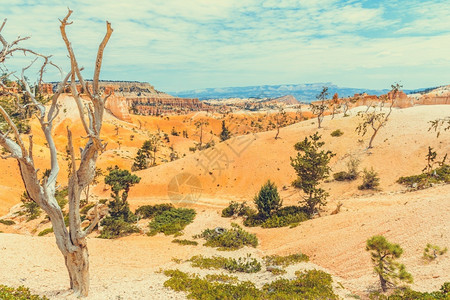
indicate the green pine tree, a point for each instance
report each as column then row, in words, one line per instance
column 384, row 255
column 225, row 134
column 311, row 166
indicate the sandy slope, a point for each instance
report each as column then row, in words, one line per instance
column 237, row 168
column 126, row 267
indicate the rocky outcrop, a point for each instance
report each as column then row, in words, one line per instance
column 285, row 100
column 139, row 98
column 118, row 107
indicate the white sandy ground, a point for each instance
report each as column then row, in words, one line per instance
column 127, row 267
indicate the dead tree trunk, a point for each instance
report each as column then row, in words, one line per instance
column 71, row 242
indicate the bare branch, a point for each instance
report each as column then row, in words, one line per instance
column 98, row 62
column 3, row 25
column 93, row 223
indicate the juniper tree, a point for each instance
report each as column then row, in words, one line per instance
column 268, row 200
column 117, row 223
column 225, row 133
column 384, row 255
column 311, row 166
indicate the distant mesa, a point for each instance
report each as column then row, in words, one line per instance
column 143, row 99
column 139, row 98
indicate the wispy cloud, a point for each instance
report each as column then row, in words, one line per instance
column 178, row 44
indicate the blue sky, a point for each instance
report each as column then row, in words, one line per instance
column 178, row 45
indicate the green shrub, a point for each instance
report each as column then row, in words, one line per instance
column 45, row 231
column 171, row 221
column 370, row 180
column 351, row 173
column 282, row 221
column 114, row 228
column 235, row 209
column 312, row 284
column 406, row 293
column 231, row 239
column 199, row 288
column 86, row 208
column 337, row 133
column 242, row 264
column 61, row 197
column 221, row 278
column 7, row 222
column 284, row 261
column 285, row 216
column 20, row 293
column 185, row 242
column 254, row 220
column 424, row 180
column 32, row 209
column 149, row 211
column 215, row 262
column 276, row 270
column 431, row 252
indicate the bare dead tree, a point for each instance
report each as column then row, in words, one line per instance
column 335, row 105
column 71, row 242
column 319, row 108
column 376, row 119
column 280, row 120
column 440, row 124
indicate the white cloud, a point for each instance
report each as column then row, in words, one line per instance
column 178, row 44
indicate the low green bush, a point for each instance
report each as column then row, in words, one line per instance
column 337, row 133
column 171, row 221
column 285, row 216
column 424, row 180
column 20, row 293
column 45, row 231
column 284, row 261
column 431, row 252
column 31, row 208
column 149, row 211
column 311, row 284
column 221, row 278
column 282, row 221
column 205, row 288
column 7, row 222
column 228, row 239
column 242, row 264
column 343, row 176
column 238, row 210
column 351, row 173
column 276, row 270
column 185, row 242
column 114, row 228
column 406, row 293
column 371, row 181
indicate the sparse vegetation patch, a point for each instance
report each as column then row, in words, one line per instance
column 311, row 284
column 20, row 293
column 228, row 239
column 171, row 221
column 242, row 264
